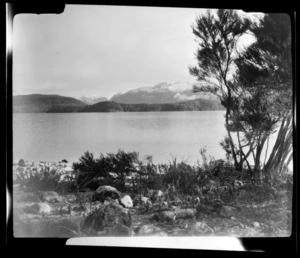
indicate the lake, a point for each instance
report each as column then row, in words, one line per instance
column 163, row 135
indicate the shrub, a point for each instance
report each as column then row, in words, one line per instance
column 91, row 172
column 45, row 179
column 21, row 163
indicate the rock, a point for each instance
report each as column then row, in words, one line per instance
column 21, row 163
column 149, row 205
column 255, row 224
column 200, row 228
column 38, row 208
column 167, row 216
column 105, row 191
column 147, row 230
column 50, row 196
column 227, row 211
column 126, row 201
column 107, row 216
column 144, row 200
column 185, row 213
column 155, row 195
column 78, row 208
column 176, row 201
column 196, row 200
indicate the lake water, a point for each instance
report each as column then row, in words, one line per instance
column 163, row 135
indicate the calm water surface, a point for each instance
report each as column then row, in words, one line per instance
column 163, row 135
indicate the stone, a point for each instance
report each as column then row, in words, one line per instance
column 105, row 191
column 200, row 227
column 50, row 196
column 227, row 211
column 256, row 224
column 126, row 201
column 167, row 216
column 185, row 213
column 107, row 216
column 38, row 208
column 149, row 230
column 149, row 205
column 196, row 200
column 144, row 200
column 78, row 208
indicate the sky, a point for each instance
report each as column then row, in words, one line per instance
column 103, row 50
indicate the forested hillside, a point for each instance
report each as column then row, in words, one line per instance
column 192, row 105
column 39, row 103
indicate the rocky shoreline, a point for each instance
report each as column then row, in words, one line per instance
column 108, row 212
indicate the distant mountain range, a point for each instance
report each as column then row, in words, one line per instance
column 161, row 97
column 162, row 93
column 92, row 100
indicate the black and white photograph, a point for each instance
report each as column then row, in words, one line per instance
column 143, row 121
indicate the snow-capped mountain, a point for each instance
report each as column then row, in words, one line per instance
column 90, row 100
column 162, row 93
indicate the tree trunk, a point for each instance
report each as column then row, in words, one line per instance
column 278, row 161
column 236, row 165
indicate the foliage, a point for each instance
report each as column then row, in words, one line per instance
column 45, row 179
column 191, row 105
column 111, row 169
column 265, row 77
column 254, row 85
column 218, row 36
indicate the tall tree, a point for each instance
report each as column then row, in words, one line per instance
column 218, row 36
column 265, row 75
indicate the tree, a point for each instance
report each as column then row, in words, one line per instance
column 265, row 75
column 254, row 85
column 218, row 36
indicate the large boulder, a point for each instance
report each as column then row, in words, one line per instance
column 108, row 216
column 126, row 202
column 50, row 196
column 105, row 191
column 38, row 208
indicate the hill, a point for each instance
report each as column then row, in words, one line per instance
column 191, row 105
column 162, row 93
column 39, row 103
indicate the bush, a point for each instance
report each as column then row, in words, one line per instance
column 91, row 172
column 21, row 163
column 44, row 180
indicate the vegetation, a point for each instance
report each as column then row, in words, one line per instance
column 45, row 179
column 37, row 103
column 255, row 88
column 254, row 85
column 105, row 170
column 192, row 105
